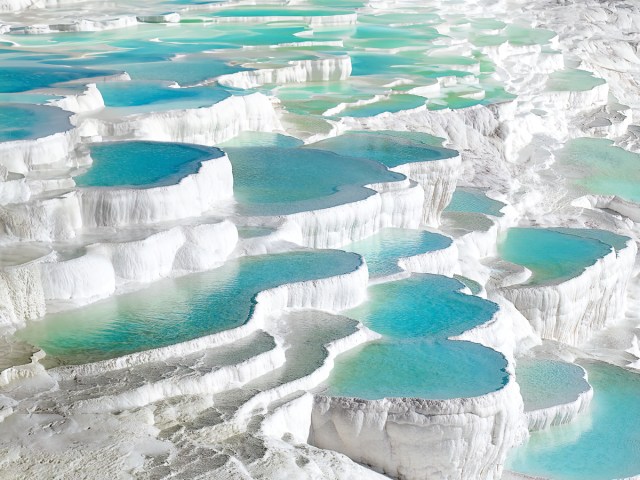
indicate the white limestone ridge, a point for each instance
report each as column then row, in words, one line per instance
column 403, row 437
column 204, row 126
column 299, row 71
column 573, row 310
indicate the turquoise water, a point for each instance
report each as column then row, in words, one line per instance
column 473, row 200
column 387, row 147
column 143, row 164
column 382, row 251
column 158, row 96
column 545, row 383
column 414, row 358
column 22, row 122
column 573, row 81
column 177, row 310
column 552, row 256
column 602, row 444
column 261, row 139
column 14, row 79
column 276, row 181
column 594, row 165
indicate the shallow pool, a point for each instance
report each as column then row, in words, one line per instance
column 143, row 164
column 176, row 310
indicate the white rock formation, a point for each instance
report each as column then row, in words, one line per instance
column 205, row 126
column 299, row 71
column 191, row 196
column 571, row 311
column 420, row 439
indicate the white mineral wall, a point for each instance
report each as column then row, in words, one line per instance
column 322, row 70
column 423, row 439
column 396, row 204
column 87, row 101
column 53, row 151
column 204, row 126
column 438, row 179
column 191, row 196
column 109, row 266
column 44, row 219
column 571, row 311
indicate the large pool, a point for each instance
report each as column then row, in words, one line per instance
column 176, row 310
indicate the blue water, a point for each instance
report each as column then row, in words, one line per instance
column 387, row 147
column 143, row 164
column 552, row 256
column 414, row 358
column 158, row 96
column 22, row 122
column 275, row 181
column 382, row 251
column 176, row 310
column 473, row 200
column 545, row 383
column 602, row 444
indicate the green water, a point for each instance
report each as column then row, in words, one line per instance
column 387, row 147
column 551, row 256
column 473, row 200
column 276, row 181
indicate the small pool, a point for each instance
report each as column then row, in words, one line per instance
column 388, row 147
column 382, row 251
column 414, row 358
column 176, row 310
column 278, row 181
column 573, row 80
column 545, row 383
column 473, row 200
column 143, row 164
column 552, row 256
column 28, row 122
column 603, row 443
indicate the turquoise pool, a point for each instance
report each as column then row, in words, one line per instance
column 382, row 251
column 414, row 357
column 24, row 122
column 176, row 310
column 277, row 181
column 552, row 256
column 143, row 164
column 602, row 444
